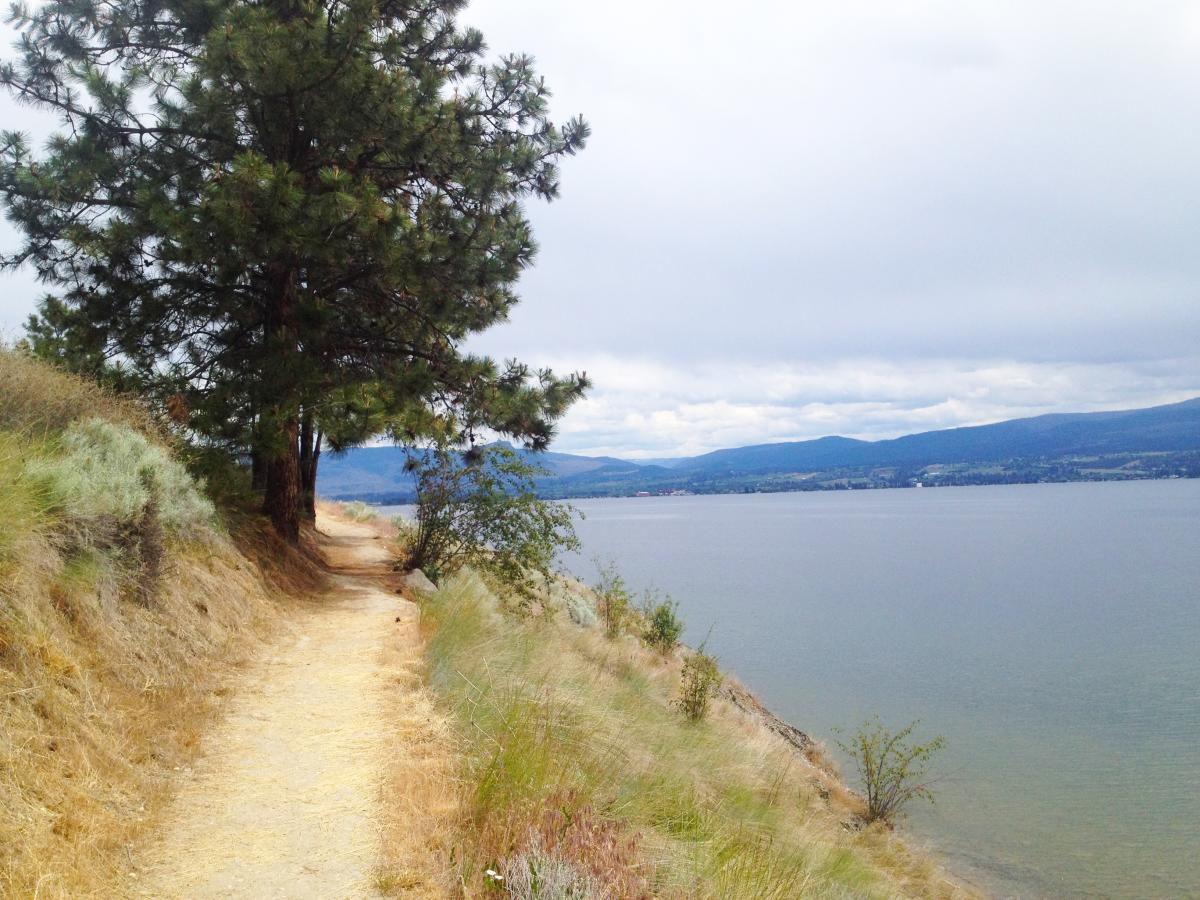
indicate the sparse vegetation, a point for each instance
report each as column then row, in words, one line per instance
column 698, row 682
column 894, row 770
column 662, row 623
column 614, row 598
column 575, row 772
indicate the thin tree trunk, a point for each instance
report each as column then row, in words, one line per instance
column 309, row 449
column 311, row 487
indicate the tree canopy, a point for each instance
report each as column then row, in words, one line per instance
column 286, row 216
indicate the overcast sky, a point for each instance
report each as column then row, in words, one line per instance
column 863, row 218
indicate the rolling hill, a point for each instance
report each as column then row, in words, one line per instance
column 1154, row 442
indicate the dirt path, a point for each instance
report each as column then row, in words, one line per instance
column 293, row 792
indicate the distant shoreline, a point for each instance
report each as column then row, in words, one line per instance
column 382, row 498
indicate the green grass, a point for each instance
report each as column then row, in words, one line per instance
column 24, row 502
column 552, row 716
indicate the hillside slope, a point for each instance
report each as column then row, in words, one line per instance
column 579, row 770
column 1175, row 427
column 124, row 608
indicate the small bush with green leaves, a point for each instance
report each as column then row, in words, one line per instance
column 893, row 770
column 699, row 681
column 614, row 598
column 663, row 625
column 484, row 512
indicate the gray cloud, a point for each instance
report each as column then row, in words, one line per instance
column 801, row 187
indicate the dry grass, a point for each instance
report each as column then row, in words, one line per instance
column 102, row 697
column 421, row 795
column 557, row 724
column 41, row 401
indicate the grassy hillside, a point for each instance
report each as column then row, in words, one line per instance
column 124, row 604
column 580, row 779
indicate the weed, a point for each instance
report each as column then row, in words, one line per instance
column 614, row 598
column 699, row 681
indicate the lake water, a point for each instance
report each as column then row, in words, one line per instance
column 1050, row 632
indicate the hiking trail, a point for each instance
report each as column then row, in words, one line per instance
column 292, row 792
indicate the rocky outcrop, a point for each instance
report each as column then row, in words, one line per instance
column 740, row 697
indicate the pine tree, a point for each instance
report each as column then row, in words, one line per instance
column 259, row 207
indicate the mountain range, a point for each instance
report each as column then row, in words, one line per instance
column 1160, row 441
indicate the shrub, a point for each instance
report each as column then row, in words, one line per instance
column 614, row 598
column 663, row 625
column 485, row 513
column 104, row 476
column 357, row 511
column 699, row 681
column 893, row 771
column 579, row 604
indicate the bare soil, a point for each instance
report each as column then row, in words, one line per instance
column 287, row 798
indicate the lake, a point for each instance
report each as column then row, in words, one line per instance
column 1049, row 632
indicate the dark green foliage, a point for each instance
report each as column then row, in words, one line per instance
column 699, row 681
column 893, row 770
column 663, row 625
column 483, row 512
column 284, row 218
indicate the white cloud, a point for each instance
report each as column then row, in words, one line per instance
column 864, row 217
column 645, row 409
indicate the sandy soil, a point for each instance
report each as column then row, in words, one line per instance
column 287, row 798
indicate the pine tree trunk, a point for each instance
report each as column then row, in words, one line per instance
column 311, row 487
column 282, row 498
column 280, row 423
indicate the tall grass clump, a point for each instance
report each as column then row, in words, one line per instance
column 577, row 772
column 23, row 501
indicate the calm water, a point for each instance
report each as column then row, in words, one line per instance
column 1050, row 632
